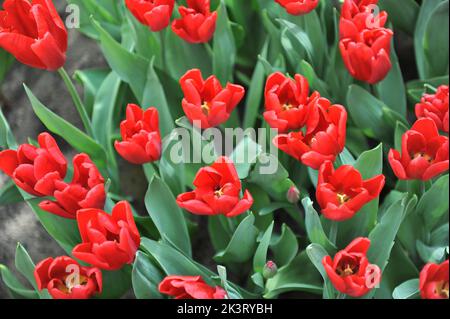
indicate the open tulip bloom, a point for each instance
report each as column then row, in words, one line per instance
column 227, row 149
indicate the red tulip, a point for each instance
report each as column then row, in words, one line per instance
column 350, row 272
column 298, row 7
column 34, row 33
column 424, row 153
column 153, row 13
column 189, row 287
column 359, row 15
column 324, row 138
column 64, row 278
column 433, row 282
column 108, row 241
column 197, row 23
column 367, row 56
column 341, row 193
column 435, row 107
column 287, row 102
column 86, row 190
column 35, row 169
column 206, row 103
column 217, row 191
column 141, row 139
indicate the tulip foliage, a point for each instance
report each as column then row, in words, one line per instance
column 354, row 205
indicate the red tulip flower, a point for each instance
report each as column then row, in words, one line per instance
column 189, row 287
column 424, row 153
column 367, row 56
column 341, row 193
column 34, row 33
column 359, row 15
column 197, row 23
column 435, row 107
column 324, row 138
column 350, row 272
column 298, row 7
column 64, row 278
column 35, row 169
column 217, row 191
column 287, row 102
column 141, row 138
column 433, row 282
column 86, row 190
column 153, row 13
column 108, row 241
column 206, row 103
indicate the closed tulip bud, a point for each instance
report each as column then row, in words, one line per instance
column 270, row 270
column 293, row 195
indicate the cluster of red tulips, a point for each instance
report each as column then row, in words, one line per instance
column 311, row 129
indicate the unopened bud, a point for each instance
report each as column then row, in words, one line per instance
column 270, row 270
column 293, row 195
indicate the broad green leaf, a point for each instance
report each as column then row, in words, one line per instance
column 255, row 91
column 430, row 254
column 435, row 41
column 72, row 135
column 434, row 203
column 91, row 80
column 116, row 283
column 6, row 138
column 286, row 247
column 167, row 216
column 16, row 289
column 299, row 275
column 402, row 13
column 314, row 227
column 145, row 278
column 407, row 290
column 316, row 253
column 245, row 155
column 9, row 194
column 260, row 258
column 224, row 47
column 242, row 245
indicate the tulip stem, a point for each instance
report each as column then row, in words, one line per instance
column 77, row 101
column 333, row 231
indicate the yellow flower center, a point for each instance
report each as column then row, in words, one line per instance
column 287, row 106
column 219, row 193
column 343, row 198
column 424, row 155
column 68, row 285
column 442, row 289
column 206, row 108
column 346, row 271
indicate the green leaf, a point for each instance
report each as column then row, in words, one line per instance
column 260, row 258
column 286, row 247
column 392, row 89
column 9, row 194
column 435, row 41
column 245, row 155
column 232, row 293
column 6, row 61
column 314, row 227
column 371, row 115
column 224, row 47
column 299, row 275
column 91, row 80
column 167, row 216
column 430, row 254
column 407, row 290
column 402, row 13
column 300, row 36
column 426, row 11
column 6, row 138
column 15, row 287
column 116, row 283
column 383, row 235
column 154, row 95
column 254, row 94
column 132, row 68
column 145, row 278
column 434, row 203
column 242, row 245
column 316, row 253
column 72, row 135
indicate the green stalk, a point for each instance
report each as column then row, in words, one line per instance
column 77, row 101
column 333, row 231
